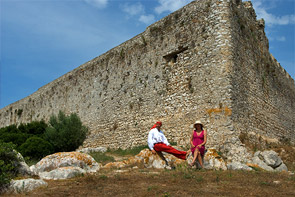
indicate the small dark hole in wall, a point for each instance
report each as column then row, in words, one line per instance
column 172, row 57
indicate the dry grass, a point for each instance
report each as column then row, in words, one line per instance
column 179, row 182
column 182, row 181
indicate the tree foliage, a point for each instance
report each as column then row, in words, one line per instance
column 65, row 133
column 36, row 147
column 8, row 163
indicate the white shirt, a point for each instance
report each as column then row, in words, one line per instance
column 156, row 136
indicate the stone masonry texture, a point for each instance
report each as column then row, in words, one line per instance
column 208, row 61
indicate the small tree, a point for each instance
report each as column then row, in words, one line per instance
column 36, row 148
column 65, row 133
column 8, row 163
column 35, row 128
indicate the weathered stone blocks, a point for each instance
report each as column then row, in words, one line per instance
column 213, row 65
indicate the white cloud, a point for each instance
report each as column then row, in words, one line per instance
column 277, row 38
column 134, row 9
column 97, row 3
column 170, row 5
column 147, row 19
column 261, row 10
column 281, row 38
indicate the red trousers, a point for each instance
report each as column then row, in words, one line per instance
column 169, row 149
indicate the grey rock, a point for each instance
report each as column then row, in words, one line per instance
column 281, row 168
column 25, row 185
column 159, row 164
column 23, row 168
column 271, row 158
column 62, row 173
column 66, row 159
column 261, row 164
column 213, row 161
column 256, row 154
column 238, row 166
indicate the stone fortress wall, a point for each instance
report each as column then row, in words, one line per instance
column 208, row 61
column 263, row 93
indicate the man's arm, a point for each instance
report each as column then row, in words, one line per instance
column 150, row 140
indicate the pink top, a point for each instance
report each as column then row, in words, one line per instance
column 198, row 139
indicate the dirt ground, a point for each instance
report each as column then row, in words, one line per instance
column 177, row 182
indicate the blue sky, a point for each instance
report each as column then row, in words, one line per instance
column 42, row 40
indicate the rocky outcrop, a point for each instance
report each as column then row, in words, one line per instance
column 145, row 159
column 65, row 165
column 269, row 161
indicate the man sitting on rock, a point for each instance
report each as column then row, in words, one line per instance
column 157, row 142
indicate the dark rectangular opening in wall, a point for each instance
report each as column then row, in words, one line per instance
column 172, row 57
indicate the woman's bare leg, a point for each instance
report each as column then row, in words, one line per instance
column 200, row 160
column 196, row 153
column 187, row 153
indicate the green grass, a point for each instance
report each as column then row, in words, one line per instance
column 132, row 151
column 101, row 157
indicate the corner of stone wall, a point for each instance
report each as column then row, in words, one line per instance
column 255, row 109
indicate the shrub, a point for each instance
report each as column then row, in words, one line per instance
column 8, row 163
column 16, row 138
column 65, row 133
column 9, row 129
column 35, row 128
column 36, row 147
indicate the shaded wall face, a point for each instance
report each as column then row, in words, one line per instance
column 263, row 93
column 176, row 72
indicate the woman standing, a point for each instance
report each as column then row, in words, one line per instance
column 198, row 141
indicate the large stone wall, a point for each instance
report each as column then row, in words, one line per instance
column 200, row 62
column 263, row 93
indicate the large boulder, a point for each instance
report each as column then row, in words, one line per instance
column 271, row 158
column 269, row 161
column 25, row 185
column 146, row 159
column 65, row 159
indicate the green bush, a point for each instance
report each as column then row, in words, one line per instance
column 8, row 163
column 16, row 138
column 65, row 133
column 35, row 128
column 9, row 129
column 36, row 148
column 19, row 135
